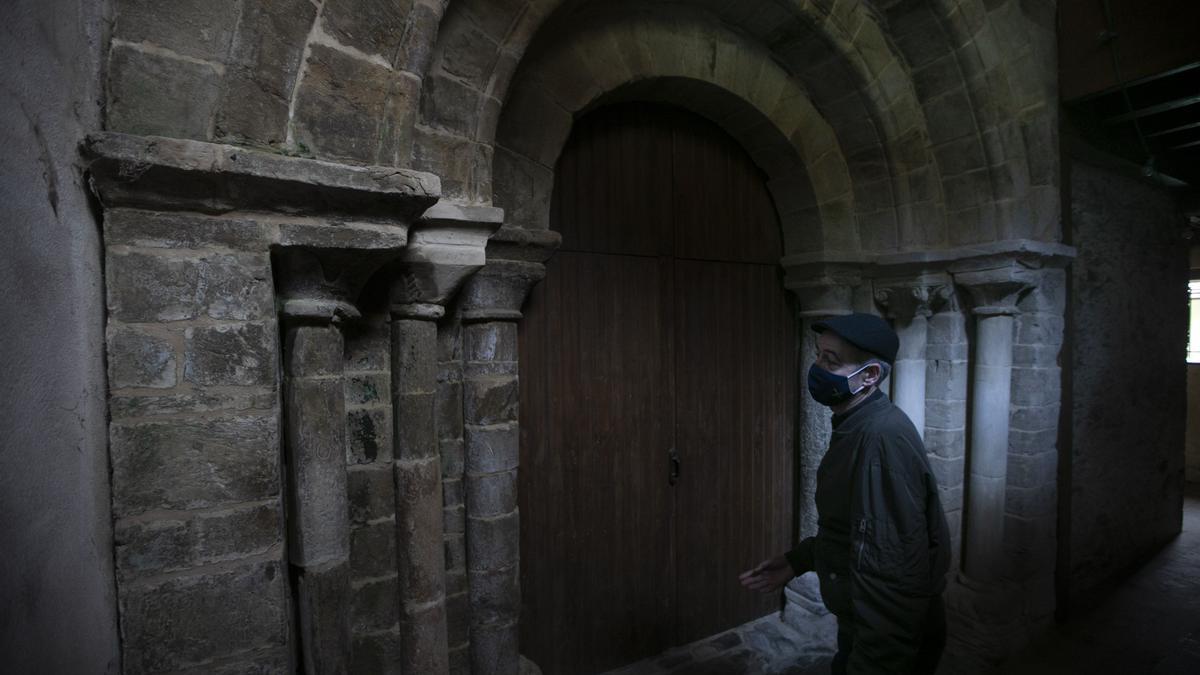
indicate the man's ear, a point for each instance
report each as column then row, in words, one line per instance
column 873, row 375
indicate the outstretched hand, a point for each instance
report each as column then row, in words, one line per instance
column 769, row 576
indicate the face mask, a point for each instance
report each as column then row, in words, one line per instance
column 830, row 389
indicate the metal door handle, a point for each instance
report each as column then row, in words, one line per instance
column 676, row 467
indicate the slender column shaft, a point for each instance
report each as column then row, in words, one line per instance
column 989, row 446
column 318, row 523
column 908, row 385
column 420, row 549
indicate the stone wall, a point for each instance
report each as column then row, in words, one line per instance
column 57, row 604
column 1129, row 326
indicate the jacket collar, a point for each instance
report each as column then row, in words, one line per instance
column 861, row 411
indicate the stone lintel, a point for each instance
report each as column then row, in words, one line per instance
column 177, row 174
column 922, row 295
column 445, row 247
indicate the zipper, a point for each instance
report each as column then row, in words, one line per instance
column 862, row 540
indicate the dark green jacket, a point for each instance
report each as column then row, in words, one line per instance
column 882, row 548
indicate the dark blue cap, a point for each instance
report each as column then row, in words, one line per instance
column 868, row 332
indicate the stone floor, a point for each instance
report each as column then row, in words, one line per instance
column 1150, row 625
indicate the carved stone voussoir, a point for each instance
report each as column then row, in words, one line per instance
column 823, row 289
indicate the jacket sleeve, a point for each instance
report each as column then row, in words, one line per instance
column 801, row 557
column 889, row 559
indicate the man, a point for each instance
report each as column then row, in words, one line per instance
column 882, row 546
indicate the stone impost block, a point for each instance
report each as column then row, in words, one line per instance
column 376, row 605
column 376, row 653
column 494, row 650
column 373, row 550
column 187, row 621
column 495, row 596
column 178, row 543
column 172, row 230
column 152, row 288
column 492, row 543
column 139, row 359
column 446, row 247
column 319, row 524
column 492, row 449
column 369, row 435
column 491, row 400
column 323, row 610
column 236, row 354
column 822, row 289
column 492, row 494
column 371, row 493
column 419, row 530
column 193, row 464
column 192, row 175
column 423, row 636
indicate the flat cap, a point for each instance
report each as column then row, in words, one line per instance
column 868, row 332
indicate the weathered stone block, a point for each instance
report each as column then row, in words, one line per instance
column 1036, row 386
column 454, row 519
column 1035, row 418
column 948, row 472
column 323, row 610
column 456, row 552
column 373, row 550
column 453, row 493
column 492, row 450
column 185, row 621
column 1028, row 471
column 947, row 328
column 469, row 52
column 458, row 619
column 371, row 493
column 449, row 411
column 946, row 380
column 416, row 437
column 1034, row 501
column 491, row 400
column 173, row 230
column 200, row 401
column 450, row 334
column 495, row 595
column 449, row 105
column 376, row 653
column 312, row 351
column 248, row 113
column 952, row 497
column 172, row 544
column 192, row 464
column 260, row 662
column 492, row 494
column 494, row 650
column 1031, row 442
column 376, row 605
column 368, row 389
column 352, row 109
column 452, row 458
column 1037, row 356
column 368, row 435
column 492, row 543
column 138, row 359
column 197, row 28
column 460, row 659
column 367, row 345
column 145, row 288
column 239, row 354
column 414, row 356
column 416, row 47
column 490, row 341
column 1040, row 329
column 370, row 26
column 456, row 582
column 158, row 95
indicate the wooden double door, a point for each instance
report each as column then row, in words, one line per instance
column 658, row 395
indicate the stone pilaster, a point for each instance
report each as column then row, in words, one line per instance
column 203, row 464
column 446, row 247
column 491, row 307
column 910, row 303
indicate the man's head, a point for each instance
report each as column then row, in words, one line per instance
column 856, row 353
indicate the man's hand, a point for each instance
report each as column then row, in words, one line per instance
column 769, row 576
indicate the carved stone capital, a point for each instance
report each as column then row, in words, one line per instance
column 905, row 299
column 996, row 290
column 514, row 265
column 446, row 247
column 823, row 289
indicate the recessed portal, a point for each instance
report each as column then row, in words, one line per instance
column 658, row 394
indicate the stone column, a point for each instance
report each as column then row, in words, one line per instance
column 445, row 248
column 315, row 287
column 995, row 293
column 910, row 303
column 490, row 311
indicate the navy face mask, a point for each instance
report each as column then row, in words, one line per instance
column 830, row 389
